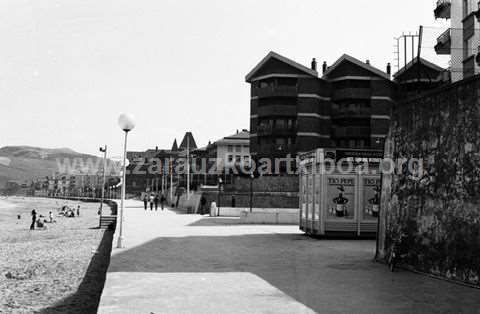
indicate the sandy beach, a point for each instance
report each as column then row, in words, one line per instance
column 41, row 271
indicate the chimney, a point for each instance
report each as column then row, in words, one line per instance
column 237, row 131
column 314, row 64
column 324, row 67
column 368, row 62
column 156, row 148
column 389, row 69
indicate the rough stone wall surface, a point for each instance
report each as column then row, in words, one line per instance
column 259, row 200
column 437, row 202
column 264, row 184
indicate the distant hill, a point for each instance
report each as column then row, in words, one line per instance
column 25, row 163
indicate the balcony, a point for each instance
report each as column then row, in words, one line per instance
column 266, row 130
column 444, row 43
column 352, row 93
column 278, row 91
column 443, row 9
column 276, row 149
column 349, row 132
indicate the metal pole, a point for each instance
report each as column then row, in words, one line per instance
column 251, row 192
column 171, row 179
column 413, row 47
column 104, row 176
column 188, row 168
column 120, row 235
column 405, row 49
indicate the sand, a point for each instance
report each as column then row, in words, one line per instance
column 41, row 269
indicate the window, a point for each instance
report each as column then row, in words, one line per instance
column 238, row 148
column 230, row 148
column 238, row 159
column 230, row 158
column 280, row 141
column 280, row 124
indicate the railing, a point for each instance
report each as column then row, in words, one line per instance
column 352, row 132
column 443, row 2
column 278, row 91
column 443, row 9
column 267, row 130
column 276, row 148
column 444, row 37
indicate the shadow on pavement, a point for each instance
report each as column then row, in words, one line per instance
column 215, row 221
column 86, row 299
column 328, row 276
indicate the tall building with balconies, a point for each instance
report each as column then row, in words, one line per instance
column 294, row 110
column 462, row 39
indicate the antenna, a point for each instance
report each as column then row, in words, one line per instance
column 405, row 43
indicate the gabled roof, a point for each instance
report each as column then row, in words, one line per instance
column 415, row 61
column 355, row 61
column 281, row 58
column 174, row 146
column 188, row 139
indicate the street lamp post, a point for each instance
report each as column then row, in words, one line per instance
column 104, row 151
column 219, row 190
column 251, row 192
column 126, row 123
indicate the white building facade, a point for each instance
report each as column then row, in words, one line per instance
column 461, row 41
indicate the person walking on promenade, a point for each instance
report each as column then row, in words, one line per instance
column 155, row 201
column 162, row 201
column 145, row 201
column 203, row 202
column 151, row 201
column 34, row 219
column 78, row 211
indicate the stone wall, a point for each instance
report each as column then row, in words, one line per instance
column 436, row 205
column 259, row 200
column 287, row 183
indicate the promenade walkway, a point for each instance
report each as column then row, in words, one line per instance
column 178, row 263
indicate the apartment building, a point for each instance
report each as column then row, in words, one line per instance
column 293, row 109
column 462, row 39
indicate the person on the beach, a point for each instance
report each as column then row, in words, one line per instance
column 78, row 211
column 34, row 219
column 162, row 201
column 155, row 201
column 151, row 201
column 50, row 215
column 145, row 201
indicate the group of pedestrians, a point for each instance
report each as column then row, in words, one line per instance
column 153, row 200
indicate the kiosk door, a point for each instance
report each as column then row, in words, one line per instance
column 303, row 201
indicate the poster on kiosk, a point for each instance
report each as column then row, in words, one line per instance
column 341, row 197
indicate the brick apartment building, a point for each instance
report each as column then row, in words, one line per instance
column 294, row 109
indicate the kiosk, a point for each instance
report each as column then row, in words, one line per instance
column 340, row 192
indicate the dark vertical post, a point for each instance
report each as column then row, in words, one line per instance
column 405, row 49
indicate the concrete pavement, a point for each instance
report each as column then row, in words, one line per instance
column 176, row 263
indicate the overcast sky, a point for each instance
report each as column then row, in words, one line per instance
column 69, row 68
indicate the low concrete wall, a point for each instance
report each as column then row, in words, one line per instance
column 237, row 211
column 288, row 216
column 275, row 218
